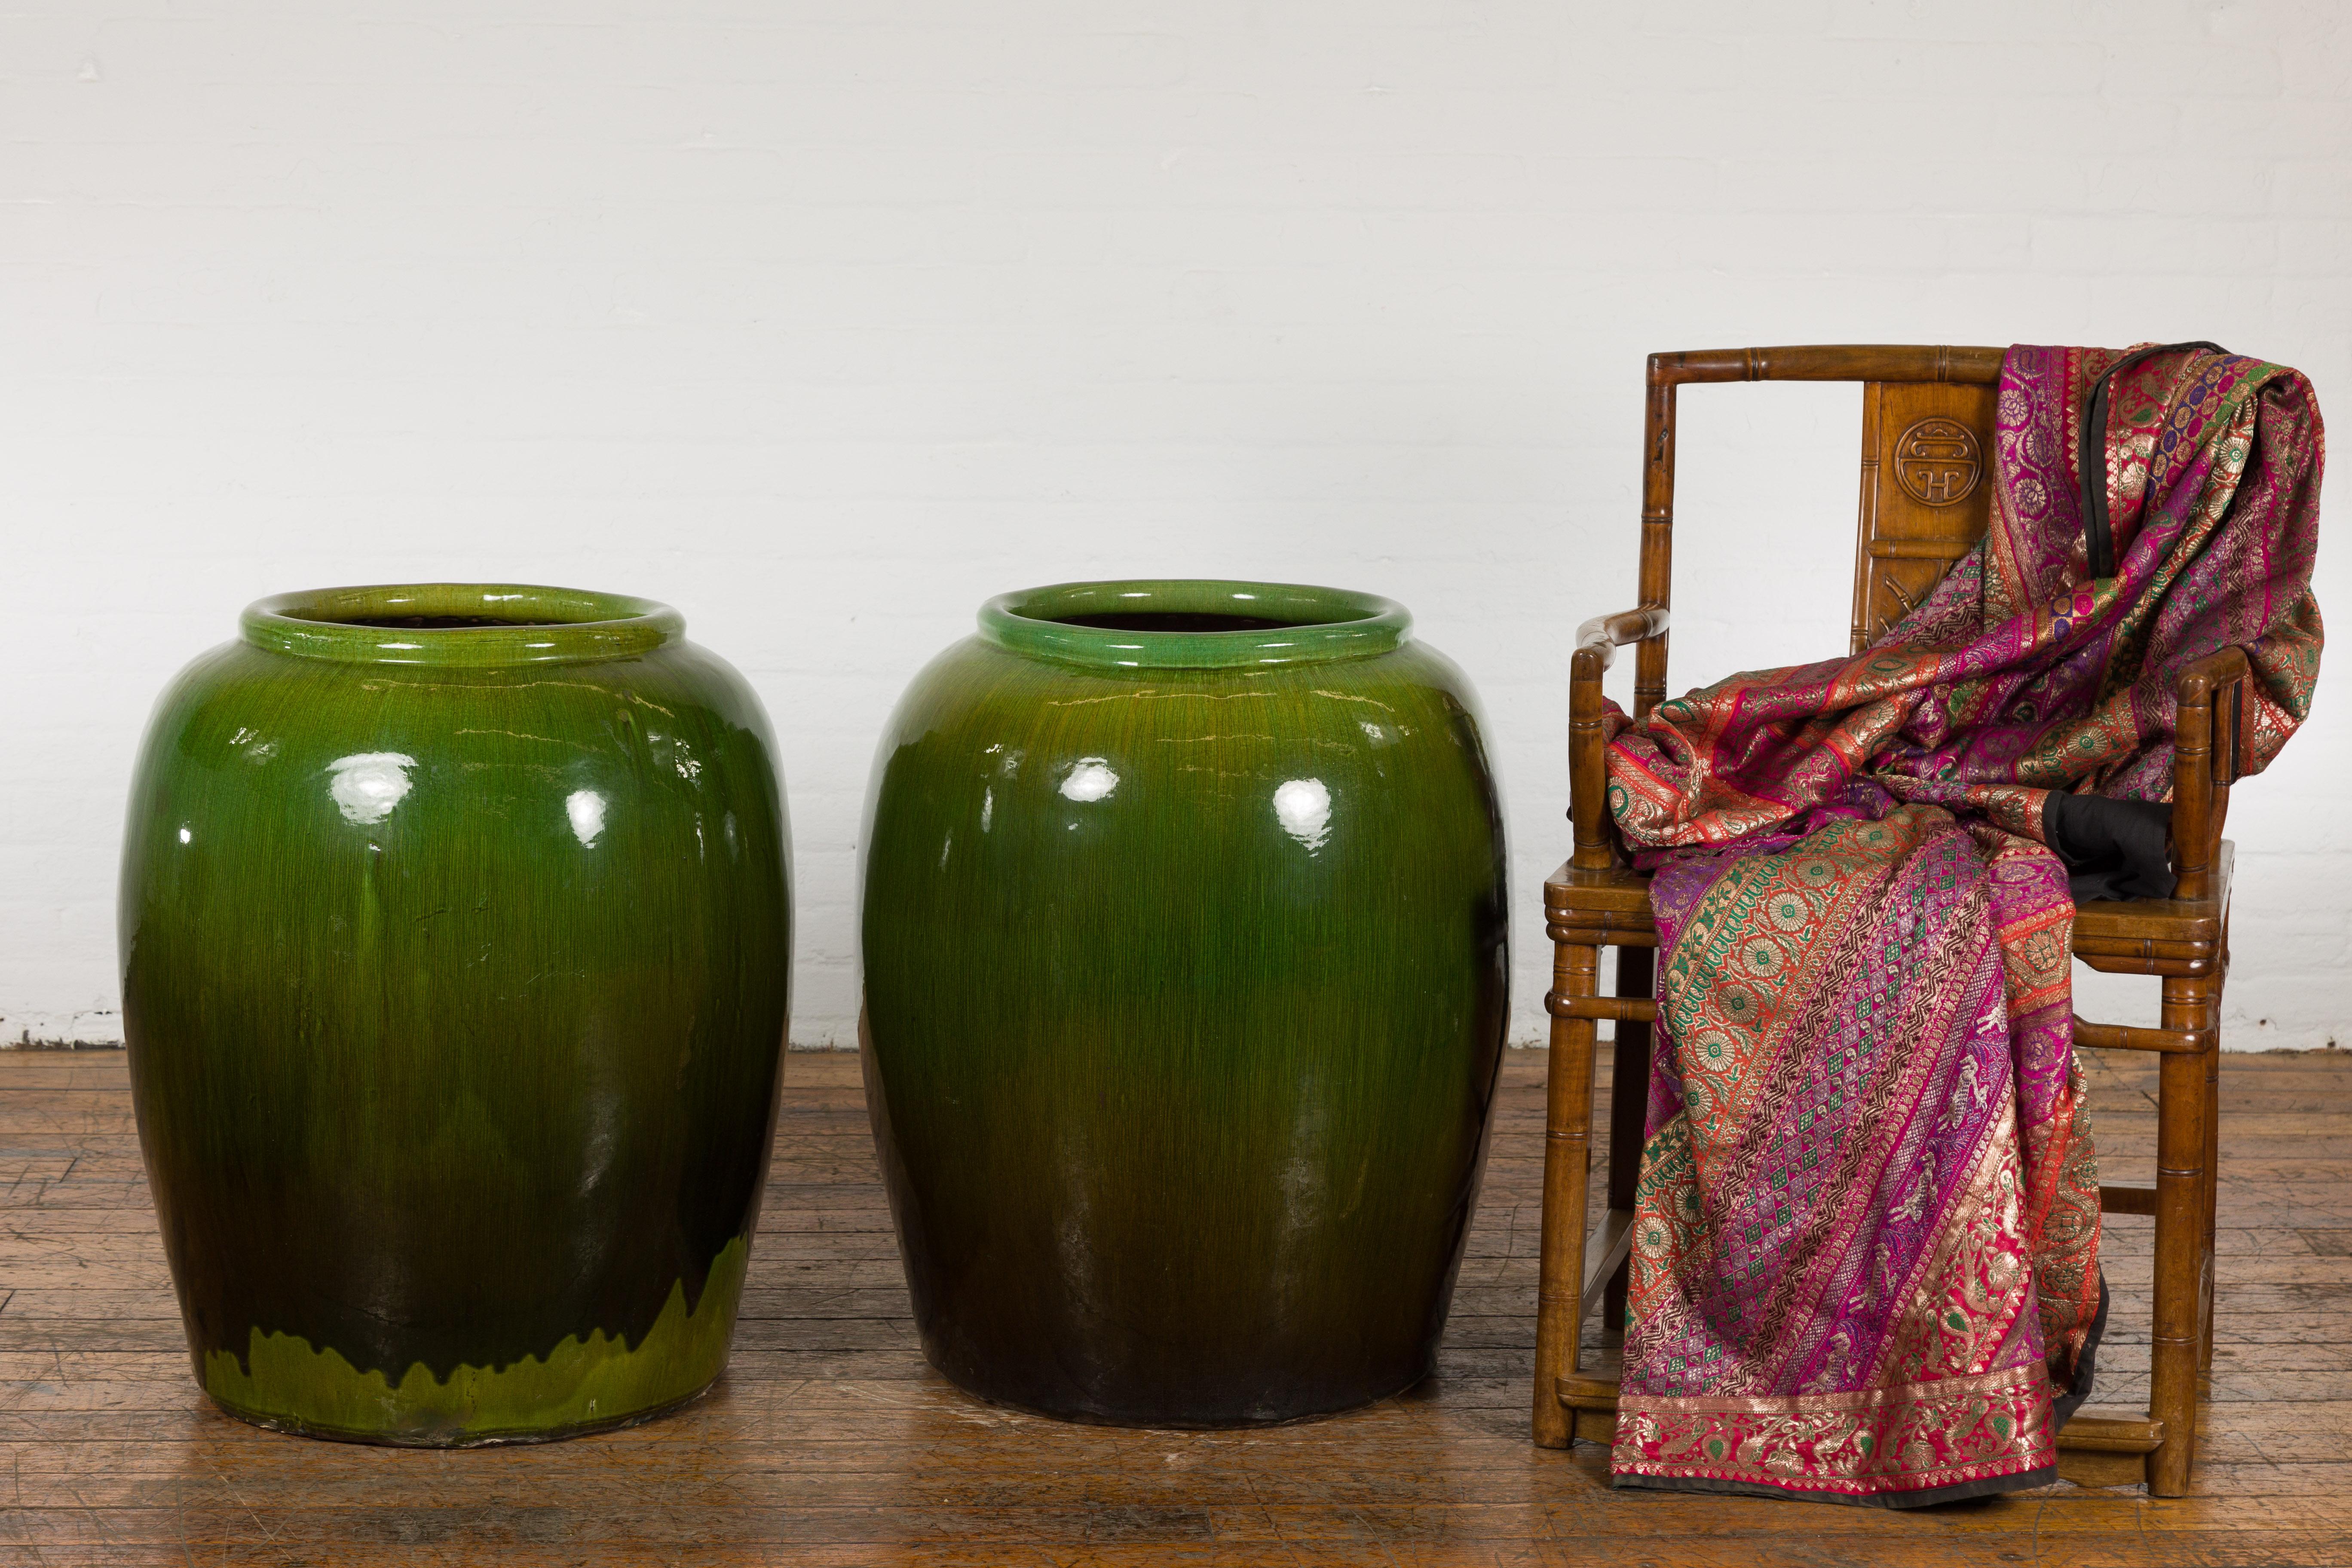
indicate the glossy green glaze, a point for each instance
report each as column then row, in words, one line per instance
column 1185, row 991
column 455, row 939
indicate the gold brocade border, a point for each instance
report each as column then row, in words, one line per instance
column 1885, row 1442
column 1941, row 1388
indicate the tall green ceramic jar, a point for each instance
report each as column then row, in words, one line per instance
column 1185, row 972
column 456, row 940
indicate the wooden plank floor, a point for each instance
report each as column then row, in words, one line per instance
column 830, row 1441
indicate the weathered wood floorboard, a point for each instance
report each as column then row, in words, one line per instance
column 830, row 1442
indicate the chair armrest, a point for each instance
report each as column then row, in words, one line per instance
column 1606, row 633
column 2207, row 737
column 1597, row 642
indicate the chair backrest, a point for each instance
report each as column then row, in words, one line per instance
column 1926, row 470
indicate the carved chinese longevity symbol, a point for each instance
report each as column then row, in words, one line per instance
column 1937, row 462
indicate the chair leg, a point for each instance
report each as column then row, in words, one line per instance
column 2213, row 1153
column 1567, row 1170
column 1629, row 1104
column 2181, row 1262
column 2212, row 1204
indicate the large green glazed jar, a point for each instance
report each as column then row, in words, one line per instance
column 456, row 940
column 1185, row 982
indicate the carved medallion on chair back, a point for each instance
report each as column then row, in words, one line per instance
column 1926, row 493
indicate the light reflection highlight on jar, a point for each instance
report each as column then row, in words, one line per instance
column 1303, row 806
column 585, row 807
column 1092, row 779
column 366, row 786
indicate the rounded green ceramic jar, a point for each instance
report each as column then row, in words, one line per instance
column 456, row 938
column 1184, row 934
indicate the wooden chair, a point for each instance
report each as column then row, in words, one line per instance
column 1926, row 458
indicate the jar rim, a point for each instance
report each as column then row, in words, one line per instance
column 1299, row 624
column 486, row 624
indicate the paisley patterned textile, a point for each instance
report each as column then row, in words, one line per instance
column 1865, row 1248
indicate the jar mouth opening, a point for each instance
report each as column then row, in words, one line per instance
column 1176, row 621
column 1193, row 622
column 434, row 623
column 477, row 625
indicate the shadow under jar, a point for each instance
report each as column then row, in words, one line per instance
column 1185, row 987
column 456, row 942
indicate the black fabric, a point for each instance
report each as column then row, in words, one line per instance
column 2087, row 1365
column 2098, row 540
column 2112, row 848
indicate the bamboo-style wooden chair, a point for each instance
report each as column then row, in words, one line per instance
column 1927, row 447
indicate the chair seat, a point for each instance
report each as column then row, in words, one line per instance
column 1611, row 907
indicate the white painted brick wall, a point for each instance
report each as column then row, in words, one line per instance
column 824, row 321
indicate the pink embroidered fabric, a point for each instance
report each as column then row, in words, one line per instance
column 1865, row 1255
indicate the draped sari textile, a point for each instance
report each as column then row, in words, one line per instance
column 1865, row 1247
